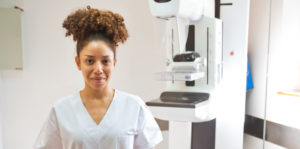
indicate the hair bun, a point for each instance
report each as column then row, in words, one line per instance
column 84, row 22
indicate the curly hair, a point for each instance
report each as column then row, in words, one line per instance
column 92, row 24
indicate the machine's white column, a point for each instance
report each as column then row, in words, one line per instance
column 180, row 135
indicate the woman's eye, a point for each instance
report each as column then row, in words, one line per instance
column 106, row 61
column 89, row 61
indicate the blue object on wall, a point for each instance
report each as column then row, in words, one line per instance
column 249, row 77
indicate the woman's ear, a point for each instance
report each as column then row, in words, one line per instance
column 115, row 62
column 77, row 61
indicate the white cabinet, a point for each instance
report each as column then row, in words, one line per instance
column 10, row 39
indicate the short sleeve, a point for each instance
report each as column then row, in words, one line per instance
column 149, row 134
column 49, row 137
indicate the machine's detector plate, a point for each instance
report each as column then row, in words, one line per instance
column 179, row 76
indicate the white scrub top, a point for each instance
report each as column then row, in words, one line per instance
column 127, row 124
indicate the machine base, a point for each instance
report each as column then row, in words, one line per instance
column 188, row 135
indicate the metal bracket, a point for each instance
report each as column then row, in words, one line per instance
column 19, row 8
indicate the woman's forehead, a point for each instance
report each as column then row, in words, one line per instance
column 96, row 49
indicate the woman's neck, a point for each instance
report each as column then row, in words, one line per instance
column 97, row 94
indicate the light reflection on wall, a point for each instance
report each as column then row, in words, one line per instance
column 285, row 48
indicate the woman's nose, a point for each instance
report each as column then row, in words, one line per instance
column 99, row 68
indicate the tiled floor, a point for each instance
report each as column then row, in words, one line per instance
column 251, row 142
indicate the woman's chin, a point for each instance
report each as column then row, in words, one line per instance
column 99, row 85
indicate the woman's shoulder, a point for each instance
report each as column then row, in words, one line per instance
column 129, row 97
column 67, row 100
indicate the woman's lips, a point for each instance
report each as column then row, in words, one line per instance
column 99, row 80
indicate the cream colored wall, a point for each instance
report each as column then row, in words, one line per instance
column 11, row 3
column 284, row 70
column 49, row 69
column 274, row 63
column 258, row 52
column 8, row 4
column 1, row 113
column 283, row 63
column 10, row 39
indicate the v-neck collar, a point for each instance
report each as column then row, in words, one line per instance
column 86, row 118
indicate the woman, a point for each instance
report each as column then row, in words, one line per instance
column 98, row 117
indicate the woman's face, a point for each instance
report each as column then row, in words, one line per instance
column 96, row 61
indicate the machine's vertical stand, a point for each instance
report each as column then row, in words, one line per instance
column 188, row 135
column 180, row 135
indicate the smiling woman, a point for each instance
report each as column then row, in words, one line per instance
column 97, row 62
column 98, row 117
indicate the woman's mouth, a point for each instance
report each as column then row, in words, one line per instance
column 99, row 80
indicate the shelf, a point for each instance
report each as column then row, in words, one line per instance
column 294, row 94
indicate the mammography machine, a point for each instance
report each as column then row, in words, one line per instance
column 194, row 73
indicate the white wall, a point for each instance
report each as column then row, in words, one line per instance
column 284, row 46
column 284, row 65
column 284, row 68
column 49, row 69
column 9, row 4
column 258, row 52
column 1, row 113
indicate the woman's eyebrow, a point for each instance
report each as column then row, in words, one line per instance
column 105, row 56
